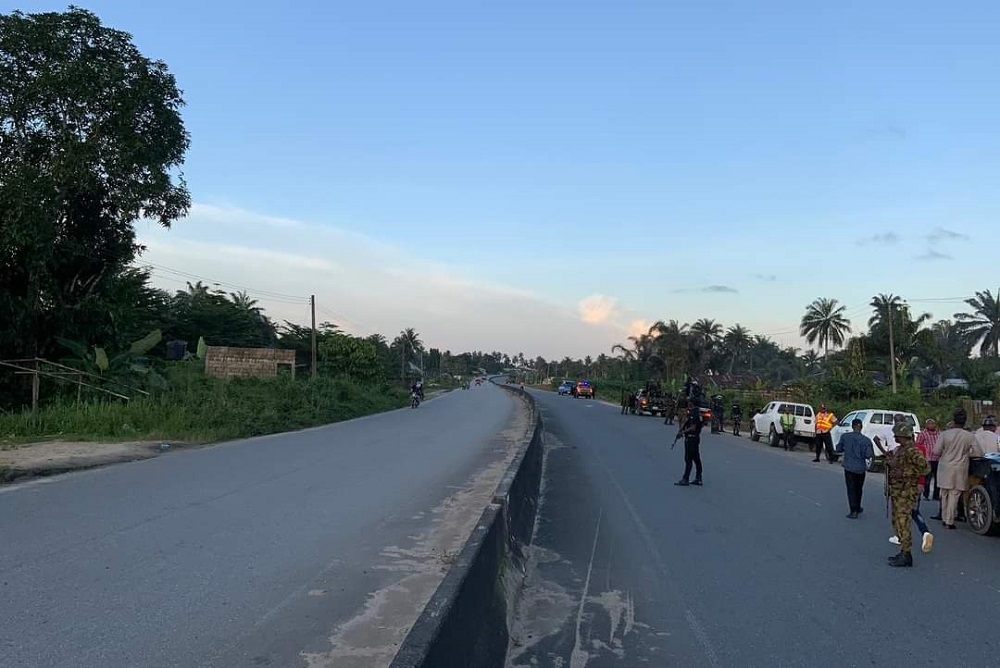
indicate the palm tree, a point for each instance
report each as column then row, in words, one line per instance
column 882, row 305
column 737, row 340
column 245, row 301
column 982, row 326
column 825, row 323
column 706, row 333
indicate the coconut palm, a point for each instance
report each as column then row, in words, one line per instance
column 824, row 322
column 737, row 341
column 982, row 326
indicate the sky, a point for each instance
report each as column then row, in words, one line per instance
column 550, row 177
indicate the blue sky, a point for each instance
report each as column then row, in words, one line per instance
column 547, row 176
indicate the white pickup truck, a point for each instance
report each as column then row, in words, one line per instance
column 768, row 422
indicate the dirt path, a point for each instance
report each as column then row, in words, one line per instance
column 52, row 457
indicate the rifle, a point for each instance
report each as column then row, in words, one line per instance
column 676, row 438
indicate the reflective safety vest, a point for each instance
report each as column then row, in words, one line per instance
column 824, row 421
column 787, row 421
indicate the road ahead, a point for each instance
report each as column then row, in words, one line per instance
column 759, row 567
column 253, row 552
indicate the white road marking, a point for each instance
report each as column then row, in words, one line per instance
column 579, row 657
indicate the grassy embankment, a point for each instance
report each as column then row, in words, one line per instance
column 200, row 409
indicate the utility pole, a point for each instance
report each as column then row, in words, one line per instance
column 892, row 350
column 312, row 308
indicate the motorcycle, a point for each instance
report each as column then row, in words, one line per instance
column 414, row 399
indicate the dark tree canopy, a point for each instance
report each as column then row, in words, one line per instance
column 91, row 139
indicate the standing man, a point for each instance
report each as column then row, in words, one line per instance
column 905, row 466
column 737, row 412
column 926, row 439
column 788, row 427
column 954, row 447
column 857, row 449
column 825, row 420
column 691, row 430
column 669, row 409
column 987, row 437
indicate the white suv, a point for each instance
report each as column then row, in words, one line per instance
column 769, row 422
column 875, row 422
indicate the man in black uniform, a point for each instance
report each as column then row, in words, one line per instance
column 691, row 430
column 737, row 417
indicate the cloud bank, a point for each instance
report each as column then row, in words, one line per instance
column 366, row 285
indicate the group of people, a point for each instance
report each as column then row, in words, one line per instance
column 911, row 465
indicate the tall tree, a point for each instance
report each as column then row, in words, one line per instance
column 982, row 325
column 90, row 139
column 824, row 322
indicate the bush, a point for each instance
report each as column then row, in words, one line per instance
column 198, row 408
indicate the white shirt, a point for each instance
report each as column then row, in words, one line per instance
column 989, row 441
column 887, row 439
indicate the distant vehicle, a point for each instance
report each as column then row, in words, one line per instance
column 768, row 421
column 651, row 399
column 583, row 390
column 566, row 387
column 875, row 422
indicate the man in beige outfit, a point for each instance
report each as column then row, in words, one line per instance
column 955, row 446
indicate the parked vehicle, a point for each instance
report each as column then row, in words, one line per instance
column 983, row 507
column 768, row 422
column 566, row 387
column 875, row 422
column 583, row 390
column 651, row 399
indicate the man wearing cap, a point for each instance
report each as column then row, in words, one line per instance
column 825, row 420
column 904, row 468
column 987, row 437
column 954, row 447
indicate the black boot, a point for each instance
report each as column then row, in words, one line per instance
column 697, row 481
column 901, row 560
column 682, row 483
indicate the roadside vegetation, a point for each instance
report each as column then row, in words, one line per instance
column 92, row 143
column 937, row 363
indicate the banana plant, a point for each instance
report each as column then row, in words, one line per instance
column 95, row 360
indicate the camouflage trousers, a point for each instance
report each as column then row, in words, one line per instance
column 904, row 500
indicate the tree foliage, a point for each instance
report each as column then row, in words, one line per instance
column 91, row 138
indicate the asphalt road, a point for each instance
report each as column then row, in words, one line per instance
column 248, row 553
column 759, row 567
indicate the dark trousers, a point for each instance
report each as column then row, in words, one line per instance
column 855, row 488
column 789, row 439
column 824, row 440
column 927, row 485
column 692, row 455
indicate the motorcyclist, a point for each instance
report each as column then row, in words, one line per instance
column 418, row 388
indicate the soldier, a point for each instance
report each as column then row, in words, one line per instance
column 682, row 408
column 691, row 430
column 624, row 402
column 737, row 412
column 905, row 466
column 670, row 409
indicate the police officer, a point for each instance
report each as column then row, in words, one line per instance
column 737, row 412
column 691, row 431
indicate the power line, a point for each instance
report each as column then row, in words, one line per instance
column 275, row 296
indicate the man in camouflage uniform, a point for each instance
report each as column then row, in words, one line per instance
column 905, row 466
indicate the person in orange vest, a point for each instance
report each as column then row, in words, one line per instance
column 825, row 420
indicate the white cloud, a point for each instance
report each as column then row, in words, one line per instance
column 366, row 285
column 597, row 309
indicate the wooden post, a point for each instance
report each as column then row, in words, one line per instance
column 35, row 388
column 312, row 308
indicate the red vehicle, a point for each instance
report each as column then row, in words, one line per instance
column 583, row 389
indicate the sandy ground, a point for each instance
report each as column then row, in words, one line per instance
column 49, row 457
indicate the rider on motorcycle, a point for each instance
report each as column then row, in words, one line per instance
column 418, row 388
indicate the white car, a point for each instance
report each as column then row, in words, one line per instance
column 875, row 422
column 769, row 422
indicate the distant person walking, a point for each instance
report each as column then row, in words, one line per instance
column 857, row 449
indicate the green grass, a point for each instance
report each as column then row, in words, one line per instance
column 199, row 409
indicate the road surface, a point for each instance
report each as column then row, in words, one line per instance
column 759, row 567
column 276, row 551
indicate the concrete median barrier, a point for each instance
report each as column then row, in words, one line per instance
column 466, row 622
